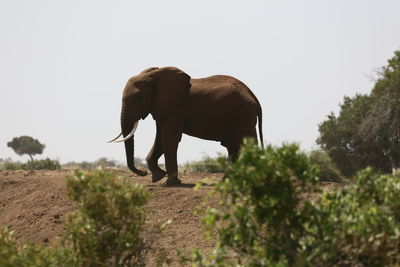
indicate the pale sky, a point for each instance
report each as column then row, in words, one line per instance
column 63, row 64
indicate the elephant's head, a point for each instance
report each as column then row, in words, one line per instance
column 156, row 91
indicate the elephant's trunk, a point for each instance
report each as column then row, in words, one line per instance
column 130, row 149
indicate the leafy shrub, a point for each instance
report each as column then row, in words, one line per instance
column 360, row 224
column 327, row 168
column 101, row 162
column 31, row 254
column 108, row 226
column 8, row 164
column 265, row 217
column 44, row 164
column 260, row 221
column 84, row 165
column 206, row 164
column 8, row 246
column 106, row 230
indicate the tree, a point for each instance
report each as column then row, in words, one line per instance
column 382, row 126
column 26, row 145
column 340, row 138
column 367, row 129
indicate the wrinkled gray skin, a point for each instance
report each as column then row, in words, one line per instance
column 219, row 108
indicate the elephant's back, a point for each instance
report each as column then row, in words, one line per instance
column 222, row 88
column 219, row 104
column 214, row 82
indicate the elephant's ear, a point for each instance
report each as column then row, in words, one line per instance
column 171, row 86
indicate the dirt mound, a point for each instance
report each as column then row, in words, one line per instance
column 34, row 204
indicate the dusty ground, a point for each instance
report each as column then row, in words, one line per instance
column 34, row 204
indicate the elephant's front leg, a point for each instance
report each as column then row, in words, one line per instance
column 153, row 156
column 170, row 138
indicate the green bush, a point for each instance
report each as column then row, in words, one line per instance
column 107, row 229
column 360, row 224
column 260, row 222
column 31, row 254
column 101, row 162
column 206, row 164
column 8, row 164
column 44, row 164
column 266, row 218
column 327, row 169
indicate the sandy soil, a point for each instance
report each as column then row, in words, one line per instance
column 34, row 204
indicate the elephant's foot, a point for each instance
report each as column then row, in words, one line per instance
column 173, row 181
column 158, row 175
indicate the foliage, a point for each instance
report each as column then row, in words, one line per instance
column 266, row 218
column 85, row 165
column 206, row 164
column 44, row 164
column 31, row 254
column 26, row 145
column 106, row 230
column 101, row 162
column 382, row 126
column 8, row 164
column 327, row 168
column 48, row 164
column 367, row 130
column 339, row 137
column 260, row 221
column 360, row 225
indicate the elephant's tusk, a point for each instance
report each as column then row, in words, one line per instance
column 130, row 134
column 115, row 138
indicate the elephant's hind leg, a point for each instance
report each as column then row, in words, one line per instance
column 233, row 152
column 152, row 159
column 236, row 143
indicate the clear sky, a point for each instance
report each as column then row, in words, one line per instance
column 63, row 64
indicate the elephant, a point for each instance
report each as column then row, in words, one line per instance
column 219, row 108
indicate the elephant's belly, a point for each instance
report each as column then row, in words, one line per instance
column 203, row 136
column 208, row 129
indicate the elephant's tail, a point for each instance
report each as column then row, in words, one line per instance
column 259, row 115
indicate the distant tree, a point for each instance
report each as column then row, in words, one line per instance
column 382, row 125
column 340, row 138
column 26, row 145
column 367, row 130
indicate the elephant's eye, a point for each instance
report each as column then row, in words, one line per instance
column 138, row 98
